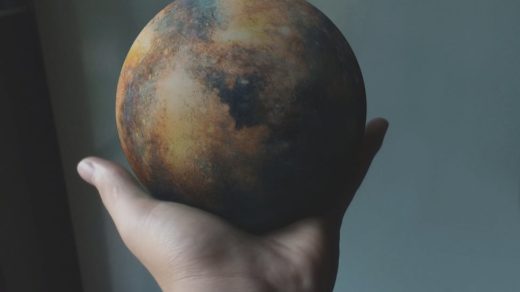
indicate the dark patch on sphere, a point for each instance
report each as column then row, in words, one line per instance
column 241, row 94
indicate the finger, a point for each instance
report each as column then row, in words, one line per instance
column 373, row 140
column 375, row 131
column 125, row 201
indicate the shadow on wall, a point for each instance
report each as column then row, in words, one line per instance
column 34, row 215
column 84, row 45
column 62, row 53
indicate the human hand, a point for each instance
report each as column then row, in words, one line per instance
column 187, row 249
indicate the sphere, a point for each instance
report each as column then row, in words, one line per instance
column 252, row 110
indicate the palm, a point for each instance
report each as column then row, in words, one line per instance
column 181, row 245
column 194, row 244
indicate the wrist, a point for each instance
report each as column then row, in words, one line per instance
column 227, row 284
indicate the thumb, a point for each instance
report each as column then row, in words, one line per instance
column 125, row 201
column 374, row 136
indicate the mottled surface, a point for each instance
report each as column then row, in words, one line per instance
column 248, row 109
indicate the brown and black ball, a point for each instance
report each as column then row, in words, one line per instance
column 250, row 109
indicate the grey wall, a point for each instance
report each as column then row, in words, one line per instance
column 440, row 208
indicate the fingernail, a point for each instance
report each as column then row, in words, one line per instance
column 85, row 170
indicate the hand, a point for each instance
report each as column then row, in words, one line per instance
column 186, row 249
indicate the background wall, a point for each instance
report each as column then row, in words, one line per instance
column 440, row 208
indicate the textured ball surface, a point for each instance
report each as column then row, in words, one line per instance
column 250, row 109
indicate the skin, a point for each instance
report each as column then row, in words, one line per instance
column 186, row 249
